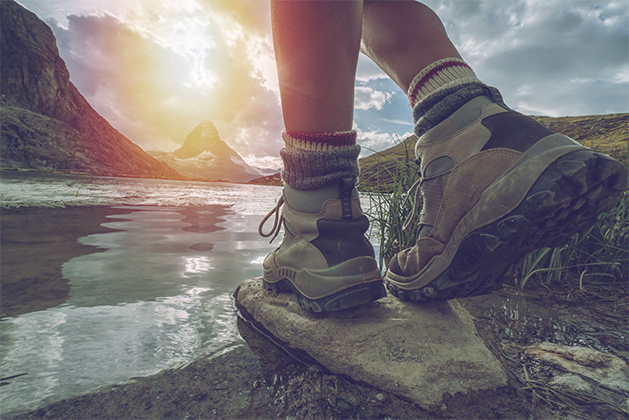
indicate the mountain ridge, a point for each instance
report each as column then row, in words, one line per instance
column 203, row 155
column 46, row 123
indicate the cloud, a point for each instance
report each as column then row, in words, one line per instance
column 366, row 97
column 156, row 69
column 399, row 122
column 374, row 140
column 367, row 70
column 548, row 49
column 267, row 164
column 155, row 81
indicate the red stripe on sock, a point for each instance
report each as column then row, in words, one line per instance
column 332, row 138
column 426, row 77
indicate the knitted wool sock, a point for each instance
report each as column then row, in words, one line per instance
column 439, row 90
column 316, row 160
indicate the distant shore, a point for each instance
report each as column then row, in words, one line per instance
column 273, row 180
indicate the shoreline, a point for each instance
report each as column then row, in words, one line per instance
column 258, row 380
column 217, row 181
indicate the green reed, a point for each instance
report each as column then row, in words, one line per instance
column 390, row 205
column 600, row 252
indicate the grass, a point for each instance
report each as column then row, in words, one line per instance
column 599, row 254
column 391, row 206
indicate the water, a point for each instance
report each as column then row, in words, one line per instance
column 132, row 277
column 23, row 189
column 154, row 293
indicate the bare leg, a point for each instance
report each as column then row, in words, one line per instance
column 324, row 258
column 403, row 37
column 316, row 50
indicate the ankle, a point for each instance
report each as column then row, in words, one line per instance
column 441, row 89
column 316, row 160
column 442, row 74
column 318, row 142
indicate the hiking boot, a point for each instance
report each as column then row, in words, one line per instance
column 495, row 185
column 324, row 257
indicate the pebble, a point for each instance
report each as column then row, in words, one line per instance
column 350, row 399
column 381, row 397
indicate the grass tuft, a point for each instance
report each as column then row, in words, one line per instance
column 390, row 205
column 601, row 252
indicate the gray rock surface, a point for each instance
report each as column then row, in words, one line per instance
column 602, row 368
column 417, row 352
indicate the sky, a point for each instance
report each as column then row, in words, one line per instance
column 155, row 69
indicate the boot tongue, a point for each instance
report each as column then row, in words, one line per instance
column 424, row 231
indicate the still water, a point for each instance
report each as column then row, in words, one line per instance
column 155, row 293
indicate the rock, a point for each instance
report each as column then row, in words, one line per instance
column 351, row 399
column 204, row 155
column 418, row 352
column 571, row 381
column 46, row 123
column 603, row 368
column 274, row 179
column 381, row 397
column 343, row 406
column 368, row 412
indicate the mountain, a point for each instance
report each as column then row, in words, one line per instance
column 604, row 133
column 275, row 179
column 46, row 123
column 205, row 156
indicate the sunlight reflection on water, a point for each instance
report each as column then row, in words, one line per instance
column 60, row 190
column 68, row 350
column 156, row 295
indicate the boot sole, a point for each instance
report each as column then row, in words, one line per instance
column 367, row 288
column 564, row 200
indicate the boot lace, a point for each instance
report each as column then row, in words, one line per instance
column 277, row 222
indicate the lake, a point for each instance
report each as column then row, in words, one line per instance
column 150, row 289
column 118, row 281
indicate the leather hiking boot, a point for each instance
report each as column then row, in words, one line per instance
column 324, row 257
column 495, row 185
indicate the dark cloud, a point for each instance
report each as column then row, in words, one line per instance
column 547, row 57
column 552, row 51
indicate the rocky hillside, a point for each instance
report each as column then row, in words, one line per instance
column 205, row 156
column 275, row 179
column 605, row 133
column 46, row 123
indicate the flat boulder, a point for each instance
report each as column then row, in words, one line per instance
column 419, row 352
column 582, row 365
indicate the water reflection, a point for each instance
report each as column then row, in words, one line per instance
column 157, row 296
